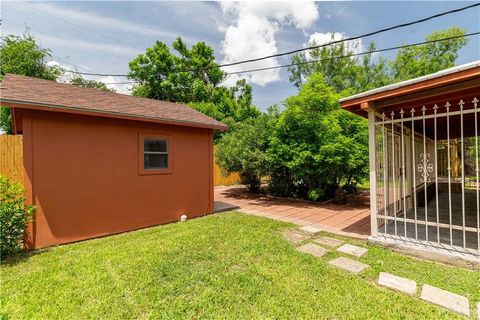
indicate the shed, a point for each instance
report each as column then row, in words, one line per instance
column 424, row 161
column 99, row 163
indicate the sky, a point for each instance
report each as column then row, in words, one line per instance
column 103, row 36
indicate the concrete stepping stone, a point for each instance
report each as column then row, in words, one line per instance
column 329, row 242
column 446, row 299
column 313, row 249
column 397, row 283
column 311, row 229
column 352, row 250
column 348, row 265
column 295, row 236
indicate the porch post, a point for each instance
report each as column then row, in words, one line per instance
column 369, row 107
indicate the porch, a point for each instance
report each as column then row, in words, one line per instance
column 424, row 161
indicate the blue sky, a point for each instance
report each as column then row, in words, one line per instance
column 103, row 37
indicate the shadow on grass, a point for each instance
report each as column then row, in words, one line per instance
column 19, row 257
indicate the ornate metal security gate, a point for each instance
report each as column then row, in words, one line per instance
column 426, row 174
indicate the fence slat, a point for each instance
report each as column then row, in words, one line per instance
column 219, row 179
column 11, row 156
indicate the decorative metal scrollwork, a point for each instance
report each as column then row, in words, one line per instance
column 425, row 167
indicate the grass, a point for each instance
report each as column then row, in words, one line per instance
column 219, row 267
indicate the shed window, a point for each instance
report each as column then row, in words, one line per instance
column 155, row 153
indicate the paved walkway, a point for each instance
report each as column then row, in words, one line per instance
column 350, row 220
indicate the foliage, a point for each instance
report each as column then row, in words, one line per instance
column 191, row 76
column 6, row 120
column 229, row 105
column 315, row 147
column 244, row 149
column 22, row 55
column 418, row 61
column 92, row 84
column 188, row 76
column 228, row 266
column 308, row 150
column 341, row 72
column 354, row 75
column 14, row 216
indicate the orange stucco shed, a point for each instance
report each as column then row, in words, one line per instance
column 99, row 163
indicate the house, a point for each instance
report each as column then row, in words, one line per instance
column 424, row 161
column 98, row 163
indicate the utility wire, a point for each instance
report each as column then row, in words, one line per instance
column 77, row 25
column 354, row 54
column 288, row 52
column 99, row 74
column 352, row 38
column 301, row 63
column 28, row 28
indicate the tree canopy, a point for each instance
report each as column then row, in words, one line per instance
column 191, row 76
column 92, row 84
column 421, row 60
column 353, row 75
column 22, row 55
column 312, row 148
column 188, row 75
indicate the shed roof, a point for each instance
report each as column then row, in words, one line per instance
column 32, row 93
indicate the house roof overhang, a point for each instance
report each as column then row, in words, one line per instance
column 454, row 83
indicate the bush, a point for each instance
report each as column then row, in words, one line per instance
column 316, row 148
column 308, row 151
column 14, row 216
column 243, row 150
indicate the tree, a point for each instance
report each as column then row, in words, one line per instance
column 421, row 60
column 244, row 149
column 353, row 75
column 92, row 84
column 315, row 147
column 191, row 76
column 340, row 71
column 22, row 55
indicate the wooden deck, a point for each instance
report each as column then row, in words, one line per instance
column 350, row 220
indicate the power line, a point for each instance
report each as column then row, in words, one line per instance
column 301, row 63
column 355, row 54
column 349, row 39
column 289, row 52
column 28, row 28
column 78, row 25
column 96, row 74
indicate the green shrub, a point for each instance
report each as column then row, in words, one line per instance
column 243, row 149
column 316, row 148
column 14, row 216
column 309, row 150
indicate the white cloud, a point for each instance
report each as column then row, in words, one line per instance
column 318, row 38
column 253, row 34
column 109, row 49
column 92, row 20
column 118, row 84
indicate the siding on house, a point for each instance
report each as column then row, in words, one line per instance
column 82, row 173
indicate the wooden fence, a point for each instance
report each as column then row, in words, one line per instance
column 219, row 179
column 11, row 157
column 11, row 162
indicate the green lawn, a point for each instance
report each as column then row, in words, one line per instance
column 223, row 266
